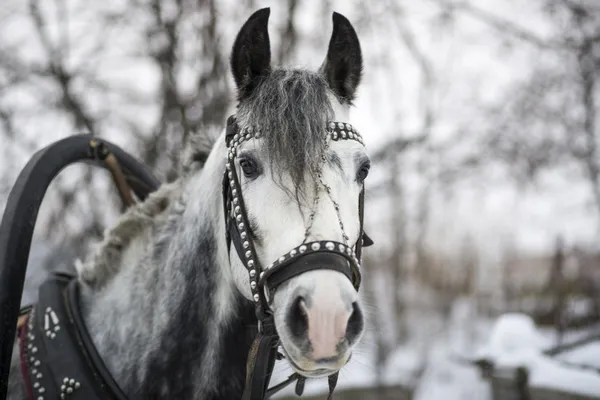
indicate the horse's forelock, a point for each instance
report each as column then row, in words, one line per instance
column 291, row 108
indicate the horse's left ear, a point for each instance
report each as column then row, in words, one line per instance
column 343, row 65
column 251, row 53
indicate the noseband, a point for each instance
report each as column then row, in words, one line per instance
column 307, row 256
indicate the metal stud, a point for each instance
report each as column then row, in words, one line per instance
column 252, row 273
column 329, row 246
column 302, row 249
column 340, row 125
column 255, row 297
column 315, row 246
column 238, row 218
column 241, row 226
column 293, row 253
column 236, row 201
column 253, row 285
column 248, row 254
column 335, row 136
column 237, row 209
column 342, row 248
column 246, row 244
column 332, row 125
column 234, row 193
column 281, row 259
column 251, row 264
column 343, row 134
column 348, row 127
column 243, row 235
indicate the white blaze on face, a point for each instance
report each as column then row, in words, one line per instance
column 327, row 316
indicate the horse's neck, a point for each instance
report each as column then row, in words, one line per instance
column 170, row 324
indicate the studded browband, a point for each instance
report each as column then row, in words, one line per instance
column 306, row 257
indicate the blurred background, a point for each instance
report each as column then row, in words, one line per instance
column 481, row 118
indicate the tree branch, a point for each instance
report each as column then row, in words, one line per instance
column 501, row 25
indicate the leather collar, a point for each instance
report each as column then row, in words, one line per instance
column 58, row 359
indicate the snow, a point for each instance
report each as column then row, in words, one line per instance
column 515, row 342
column 550, row 374
column 587, row 355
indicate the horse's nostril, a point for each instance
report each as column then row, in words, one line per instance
column 297, row 318
column 356, row 324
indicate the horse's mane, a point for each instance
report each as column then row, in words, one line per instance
column 106, row 259
column 291, row 108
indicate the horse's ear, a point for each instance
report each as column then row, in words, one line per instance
column 343, row 65
column 251, row 54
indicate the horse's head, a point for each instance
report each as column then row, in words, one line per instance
column 300, row 183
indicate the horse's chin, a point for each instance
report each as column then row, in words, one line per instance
column 309, row 369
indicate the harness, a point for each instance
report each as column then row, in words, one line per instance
column 58, row 358
column 307, row 256
column 20, row 214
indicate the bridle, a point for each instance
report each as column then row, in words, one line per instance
column 315, row 255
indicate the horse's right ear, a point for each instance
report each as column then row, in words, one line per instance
column 251, row 54
column 343, row 65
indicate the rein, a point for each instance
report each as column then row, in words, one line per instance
column 305, row 257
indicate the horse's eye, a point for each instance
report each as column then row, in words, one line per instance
column 363, row 171
column 249, row 167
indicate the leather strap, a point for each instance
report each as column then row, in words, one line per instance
column 323, row 259
column 60, row 359
column 261, row 360
column 86, row 345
